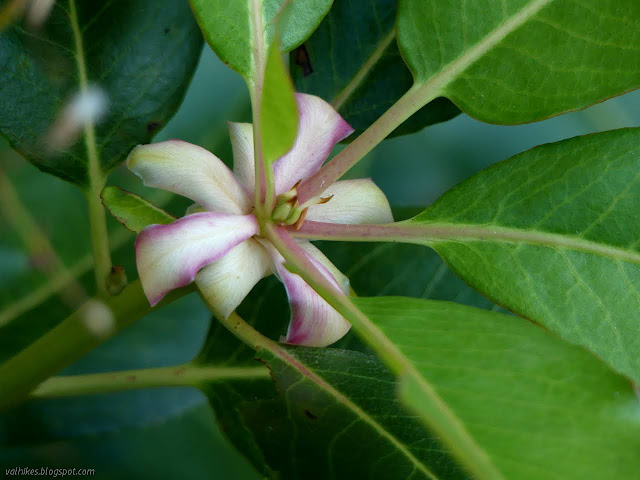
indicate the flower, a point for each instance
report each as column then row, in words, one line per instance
column 218, row 242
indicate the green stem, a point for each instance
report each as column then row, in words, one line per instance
column 245, row 332
column 187, row 375
column 97, row 217
column 99, row 238
column 75, row 336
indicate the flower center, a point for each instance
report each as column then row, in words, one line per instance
column 289, row 212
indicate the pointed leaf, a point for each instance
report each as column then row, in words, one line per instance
column 278, row 112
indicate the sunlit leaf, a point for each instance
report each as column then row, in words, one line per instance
column 552, row 234
column 519, row 61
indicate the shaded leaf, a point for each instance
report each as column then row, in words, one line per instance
column 353, row 62
column 309, row 422
column 141, row 53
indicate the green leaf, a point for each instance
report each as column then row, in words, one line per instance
column 240, row 31
column 142, row 53
column 347, row 402
column 278, row 112
column 313, row 422
column 552, row 234
column 534, row 404
column 519, row 61
column 133, row 211
column 353, row 62
column 537, row 407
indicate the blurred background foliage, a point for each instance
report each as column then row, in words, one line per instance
column 171, row 433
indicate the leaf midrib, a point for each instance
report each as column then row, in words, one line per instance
column 443, row 232
column 430, row 233
column 307, row 372
column 435, row 85
column 364, row 71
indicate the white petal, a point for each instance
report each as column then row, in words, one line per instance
column 353, row 201
column 315, row 252
column 192, row 171
column 313, row 322
column 225, row 282
column 169, row 256
column 243, row 163
column 320, row 127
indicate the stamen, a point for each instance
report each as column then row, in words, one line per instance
column 289, row 195
column 288, row 212
column 315, row 201
column 300, row 220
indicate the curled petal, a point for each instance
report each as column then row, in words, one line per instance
column 352, row 201
column 320, row 127
column 243, row 163
column 313, row 322
column 169, row 256
column 225, row 282
column 192, row 171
